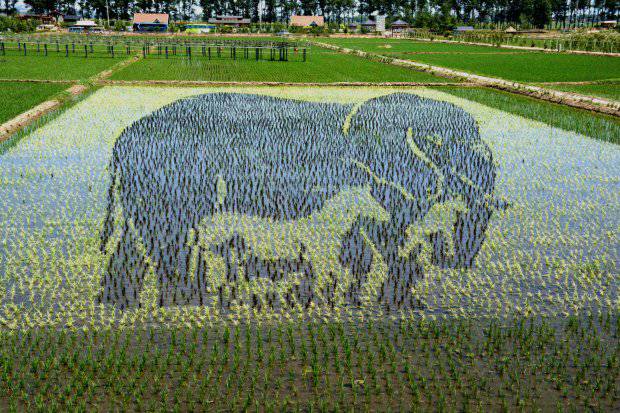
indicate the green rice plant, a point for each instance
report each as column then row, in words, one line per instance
column 322, row 66
column 507, row 64
column 597, row 126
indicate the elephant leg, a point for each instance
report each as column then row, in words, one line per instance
column 356, row 255
column 123, row 279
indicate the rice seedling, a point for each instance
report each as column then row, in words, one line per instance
column 295, row 248
column 321, row 66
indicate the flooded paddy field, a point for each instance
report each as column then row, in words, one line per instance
column 257, row 200
column 280, row 229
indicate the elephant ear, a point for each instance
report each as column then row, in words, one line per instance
column 424, row 146
column 421, row 152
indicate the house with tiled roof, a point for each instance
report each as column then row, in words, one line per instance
column 150, row 22
column 307, row 21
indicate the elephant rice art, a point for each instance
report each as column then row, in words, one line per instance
column 231, row 198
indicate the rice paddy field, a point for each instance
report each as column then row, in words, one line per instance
column 322, row 66
column 53, row 67
column 19, row 97
column 593, row 125
column 310, row 248
column 510, row 64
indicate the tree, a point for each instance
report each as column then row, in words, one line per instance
column 540, row 13
column 41, row 6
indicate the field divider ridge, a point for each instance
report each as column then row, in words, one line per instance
column 25, row 118
column 107, row 82
column 576, row 100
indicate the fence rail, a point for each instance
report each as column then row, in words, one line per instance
column 152, row 40
column 167, row 50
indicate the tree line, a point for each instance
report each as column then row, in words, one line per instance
column 420, row 13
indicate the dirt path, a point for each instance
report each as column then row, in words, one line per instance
column 566, row 98
column 118, row 66
column 590, row 82
column 207, row 83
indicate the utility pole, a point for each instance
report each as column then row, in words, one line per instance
column 107, row 12
column 260, row 15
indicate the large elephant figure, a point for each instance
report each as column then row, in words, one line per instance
column 239, row 160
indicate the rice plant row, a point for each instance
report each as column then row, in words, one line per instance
column 458, row 365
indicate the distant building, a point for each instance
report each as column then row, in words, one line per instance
column 83, row 26
column 232, row 21
column 609, row 24
column 44, row 18
column 380, row 23
column 307, row 21
column 400, row 26
column 150, row 22
column 69, row 18
column 369, row 25
column 463, row 29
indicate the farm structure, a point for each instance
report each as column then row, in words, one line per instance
column 150, row 22
column 399, row 26
column 231, row 21
column 307, row 21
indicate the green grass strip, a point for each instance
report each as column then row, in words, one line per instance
column 66, row 103
column 594, row 125
column 19, row 97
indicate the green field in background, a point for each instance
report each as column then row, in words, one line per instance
column 521, row 66
column 323, row 66
column 384, row 46
column 55, row 66
column 19, row 97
